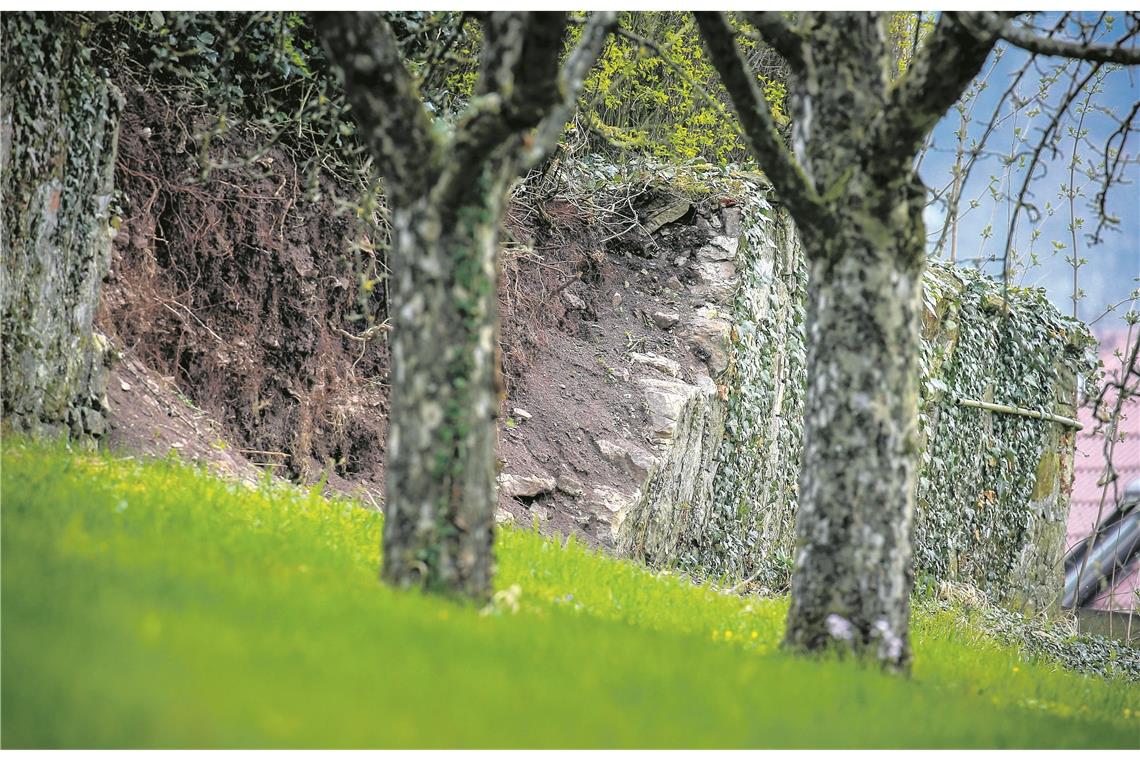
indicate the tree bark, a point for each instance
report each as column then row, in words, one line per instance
column 440, row 488
column 446, row 188
column 853, row 574
column 849, row 183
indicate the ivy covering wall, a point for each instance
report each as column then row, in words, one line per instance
column 757, row 463
column 994, row 488
column 727, row 486
column 993, row 494
column 59, row 124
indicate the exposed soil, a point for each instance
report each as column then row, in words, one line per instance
column 236, row 306
column 152, row 415
column 246, row 296
column 578, row 387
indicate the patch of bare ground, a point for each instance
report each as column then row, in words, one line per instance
column 602, row 310
column 245, row 298
column 250, row 343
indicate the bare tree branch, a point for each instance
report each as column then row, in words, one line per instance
column 1026, row 40
column 789, row 178
column 952, row 56
column 574, row 70
column 1051, row 128
column 978, row 149
column 382, row 92
column 781, row 36
column 1111, row 165
column 518, row 85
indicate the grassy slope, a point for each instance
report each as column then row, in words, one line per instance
column 154, row 606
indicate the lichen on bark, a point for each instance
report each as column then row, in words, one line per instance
column 441, row 474
column 446, row 185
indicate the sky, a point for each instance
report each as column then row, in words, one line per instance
column 1113, row 268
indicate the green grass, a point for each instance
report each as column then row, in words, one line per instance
column 151, row 605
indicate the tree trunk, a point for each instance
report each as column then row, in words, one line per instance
column 440, row 488
column 446, row 188
column 853, row 574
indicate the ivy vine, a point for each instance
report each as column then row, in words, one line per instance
column 991, row 511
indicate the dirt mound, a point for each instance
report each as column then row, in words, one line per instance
column 249, row 298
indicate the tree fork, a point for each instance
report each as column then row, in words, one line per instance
column 447, row 193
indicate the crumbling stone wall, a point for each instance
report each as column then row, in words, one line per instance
column 58, row 134
column 993, row 496
column 722, row 501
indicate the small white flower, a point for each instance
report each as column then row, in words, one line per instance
column 839, row 627
column 892, row 644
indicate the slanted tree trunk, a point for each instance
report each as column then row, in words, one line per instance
column 446, row 192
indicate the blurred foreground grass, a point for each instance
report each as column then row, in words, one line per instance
column 151, row 605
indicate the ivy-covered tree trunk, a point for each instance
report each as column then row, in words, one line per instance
column 440, row 487
column 852, row 579
column 446, row 186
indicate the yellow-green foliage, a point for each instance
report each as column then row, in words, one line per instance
column 905, row 31
column 668, row 101
column 664, row 99
column 460, row 78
